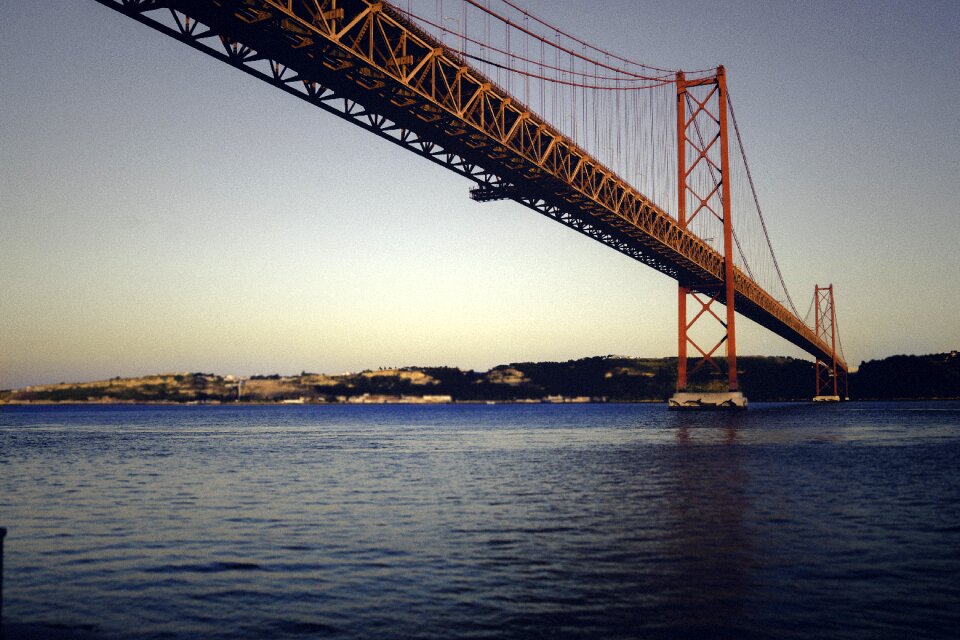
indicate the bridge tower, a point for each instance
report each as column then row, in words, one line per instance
column 703, row 189
column 825, row 326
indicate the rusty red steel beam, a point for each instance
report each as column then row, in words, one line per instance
column 370, row 53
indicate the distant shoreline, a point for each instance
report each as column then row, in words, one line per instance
column 42, row 403
column 155, row 403
column 599, row 379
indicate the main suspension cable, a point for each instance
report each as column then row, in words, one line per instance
column 510, row 56
column 763, row 223
column 566, row 50
column 587, row 44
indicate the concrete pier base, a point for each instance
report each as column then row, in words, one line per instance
column 705, row 400
column 826, row 398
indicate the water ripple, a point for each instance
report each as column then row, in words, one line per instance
column 788, row 521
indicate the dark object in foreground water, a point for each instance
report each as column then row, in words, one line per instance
column 3, row 534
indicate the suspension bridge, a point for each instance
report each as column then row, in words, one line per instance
column 645, row 160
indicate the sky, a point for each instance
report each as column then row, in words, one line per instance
column 164, row 212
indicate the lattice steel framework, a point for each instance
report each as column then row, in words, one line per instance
column 703, row 183
column 829, row 373
column 363, row 61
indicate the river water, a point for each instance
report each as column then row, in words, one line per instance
column 475, row 521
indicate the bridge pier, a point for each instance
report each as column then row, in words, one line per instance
column 707, row 400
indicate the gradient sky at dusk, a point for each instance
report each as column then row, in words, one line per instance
column 161, row 211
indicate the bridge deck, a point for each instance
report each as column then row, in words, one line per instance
column 364, row 62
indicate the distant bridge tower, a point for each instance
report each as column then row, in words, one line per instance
column 827, row 373
column 703, row 189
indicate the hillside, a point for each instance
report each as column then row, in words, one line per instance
column 609, row 378
column 908, row 377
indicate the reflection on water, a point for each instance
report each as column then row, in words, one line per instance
column 474, row 521
column 712, row 548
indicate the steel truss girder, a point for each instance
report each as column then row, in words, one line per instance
column 330, row 100
column 362, row 61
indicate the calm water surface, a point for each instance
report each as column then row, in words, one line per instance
column 596, row 521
